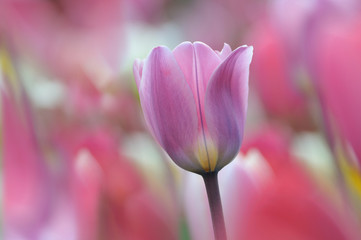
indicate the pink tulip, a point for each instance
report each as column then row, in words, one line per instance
column 129, row 209
column 194, row 101
column 291, row 207
column 68, row 37
column 275, row 78
column 111, row 199
column 26, row 182
column 260, row 203
column 338, row 74
column 273, row 142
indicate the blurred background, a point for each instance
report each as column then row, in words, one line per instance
column 77, row 161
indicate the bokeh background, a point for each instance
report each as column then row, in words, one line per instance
column 77, row 161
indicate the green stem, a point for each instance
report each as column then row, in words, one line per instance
column 215, row 205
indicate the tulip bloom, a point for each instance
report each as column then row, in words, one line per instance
column 194, row 101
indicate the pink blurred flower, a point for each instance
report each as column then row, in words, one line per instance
column 281, row 70
column 260, row 203
column 291, row 207
column 194, row 101
column 82, row 98
column 145, row 10
column 110, row 196
column 70, row 38
column 336, row 57
column 27, row 191
column 243, row 11
column 84, row 190
column 126, row 102
column 273, row 142
column 276, row 76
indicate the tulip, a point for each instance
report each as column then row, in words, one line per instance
column 194, row 102
column 26, row 185
column 292, row 207
column 26, row 199
column 264, row 202
column 337, row 76
column 109, row 196
column 275, row 77
column 273, row 142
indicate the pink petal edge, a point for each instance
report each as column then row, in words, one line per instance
column 226, row 103
column 226, row 51
column 137, row 71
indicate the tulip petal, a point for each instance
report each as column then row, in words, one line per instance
column 226, row 51
column 137, row 71
column 198, row 62
column 226, row 103
column 169, row 107
column 207, row 61
column 184, row 55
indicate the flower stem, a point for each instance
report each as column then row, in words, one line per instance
column 215, row 205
